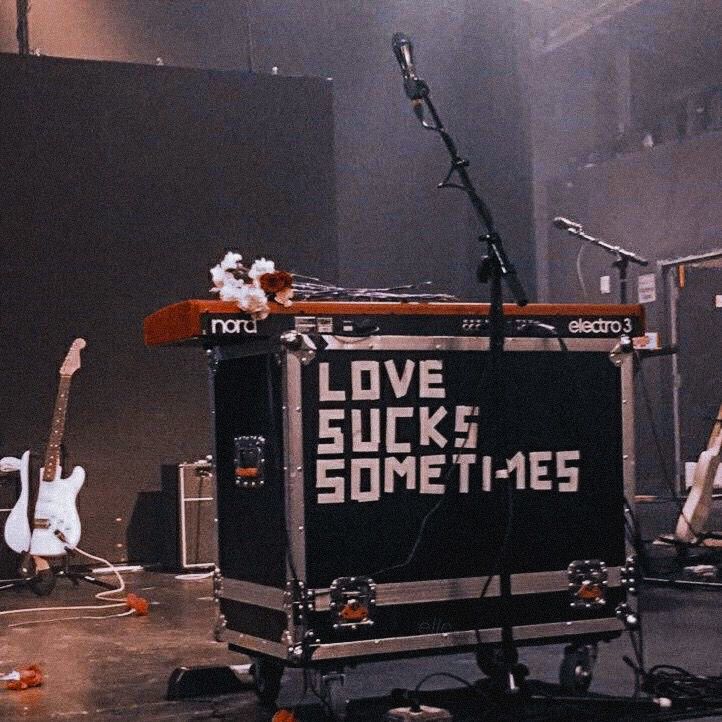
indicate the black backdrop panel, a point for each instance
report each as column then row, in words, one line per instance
column 700, row 346
column 556, row 404
column 122, row 184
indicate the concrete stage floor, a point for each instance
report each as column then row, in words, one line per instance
column 118, row 669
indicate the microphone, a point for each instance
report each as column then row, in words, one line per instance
column 565, row 224
column 404, row 51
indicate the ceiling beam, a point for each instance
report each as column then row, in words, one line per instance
column 578, row 25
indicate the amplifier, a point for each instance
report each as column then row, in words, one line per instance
column 9, row 493
column 189, row 496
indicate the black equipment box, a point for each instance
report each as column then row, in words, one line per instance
column 361, row 505
column 9, row 495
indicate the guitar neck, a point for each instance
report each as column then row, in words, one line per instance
column 57, row 428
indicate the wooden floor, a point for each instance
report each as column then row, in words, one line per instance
column 118, row 669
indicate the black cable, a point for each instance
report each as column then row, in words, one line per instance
column 509, row 490
column 680, row 685
column 678, row 682
column 419, row 537
column 449, row 675
column 554, row 333
column 442, row 499
column 414, row 695
column 505, row 540
column 689, row 714
column 580, row 711
column 324, row 703
column 632, row 525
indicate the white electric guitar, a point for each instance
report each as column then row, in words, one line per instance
column 56, row 523
column 691, row 525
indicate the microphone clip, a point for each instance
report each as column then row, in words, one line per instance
column 415, row 88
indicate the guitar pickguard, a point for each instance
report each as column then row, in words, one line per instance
column 55, row 511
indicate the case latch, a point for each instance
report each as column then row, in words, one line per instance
column 587, row 583
column 299, row 601
column 249, row 460
column 352, row 602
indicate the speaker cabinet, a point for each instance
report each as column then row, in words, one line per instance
column 9, row 493
column 189, row 500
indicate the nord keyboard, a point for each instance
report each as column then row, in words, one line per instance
column 211, row 322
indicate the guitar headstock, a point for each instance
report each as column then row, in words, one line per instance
column 72, row 358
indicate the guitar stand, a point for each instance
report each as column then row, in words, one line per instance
column 43, row 583
column 77, row 574
column 40, row 583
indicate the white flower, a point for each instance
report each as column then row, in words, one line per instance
column 231, row 261
column 260, row 267
column 218, row 276
column 222, row 273
column 253, row 300
column 230, row 293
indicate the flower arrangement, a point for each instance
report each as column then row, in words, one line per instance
column 139, row 605
column 251, row 288
column 23, row 678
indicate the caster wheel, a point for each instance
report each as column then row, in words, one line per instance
column 487, row 659
column 575, row 671
column 266, row 675
column 334, row 695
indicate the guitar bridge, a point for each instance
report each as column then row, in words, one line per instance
column 41, row 523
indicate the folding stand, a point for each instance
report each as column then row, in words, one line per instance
column 77, row 574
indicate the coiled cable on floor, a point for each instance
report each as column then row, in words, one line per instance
column 677, row 684
column 131, row 604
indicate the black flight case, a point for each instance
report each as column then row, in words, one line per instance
column 360, row 510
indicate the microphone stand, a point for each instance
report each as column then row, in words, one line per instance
column 507, row 674
column 624, row 257
column 494, row 268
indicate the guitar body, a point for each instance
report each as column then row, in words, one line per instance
column 56, row 511
column 697, row 508
column 17, row 526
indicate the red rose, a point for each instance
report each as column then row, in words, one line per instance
column 276, row 281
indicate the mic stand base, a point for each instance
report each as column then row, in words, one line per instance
column 508, row 683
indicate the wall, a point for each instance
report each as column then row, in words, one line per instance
column 663, row 203
column 592, row 101
column 122, row 185
column 598, row 95
column 393, row 225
